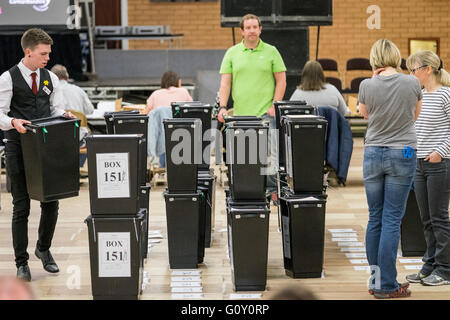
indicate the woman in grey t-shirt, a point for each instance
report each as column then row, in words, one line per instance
column 391, row 102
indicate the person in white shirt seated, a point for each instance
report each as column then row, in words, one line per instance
column 75, row 99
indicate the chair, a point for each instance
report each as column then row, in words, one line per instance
column 84, row 130
column 328, row 64
column 329, row 67
column 118, row 105
column 364, row 70
column 354, row 84
column 358, row 64
column 335, row 82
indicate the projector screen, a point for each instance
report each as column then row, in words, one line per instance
column 47, row 13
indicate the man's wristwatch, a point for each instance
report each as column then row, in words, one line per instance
column 220, row 108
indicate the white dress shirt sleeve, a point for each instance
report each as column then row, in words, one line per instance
column 57, row 101
column 6, row 93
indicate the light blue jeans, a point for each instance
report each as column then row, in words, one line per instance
column 388, row 176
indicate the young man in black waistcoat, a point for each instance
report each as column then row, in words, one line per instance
column 27, row 92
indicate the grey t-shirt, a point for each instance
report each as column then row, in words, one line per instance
column 330, row 96
column 391, row 103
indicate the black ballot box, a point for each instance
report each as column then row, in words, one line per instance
column 113, row 162
column 183, row 229
column 412, row 240
column 109, row 118
column 144, row 203
column 183, row 153
column 208, row 181
column 303, row 234
column 248, row 238
column 202, row 111
column 284, row 108
column 130, row 123
column 51, row 153
column 247, row 159
column 115, row 251
column 305, row 152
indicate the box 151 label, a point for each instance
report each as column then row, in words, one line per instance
column 113, row 180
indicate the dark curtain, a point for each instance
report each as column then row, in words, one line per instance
column 66, row 50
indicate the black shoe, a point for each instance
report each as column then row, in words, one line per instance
column 23, row 273
column 47, row 261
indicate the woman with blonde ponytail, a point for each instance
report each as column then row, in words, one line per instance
column 432, row 179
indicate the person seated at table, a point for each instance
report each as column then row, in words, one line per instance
column 315, row 91
column 171, row 91
column 75, row 99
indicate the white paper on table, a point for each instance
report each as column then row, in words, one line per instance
column 358, row 261
column 344, row 239
column 341, row 230
column 186, row 272
column 356, row 255
column 413, row 267
column 187, row 295
column 344, row 235
column 361, row 268
column 350, row 244
column 185, row 278
column 186, row 284
column 187, row 290
column 353, row 249
column 410, row 260
column 245, row 296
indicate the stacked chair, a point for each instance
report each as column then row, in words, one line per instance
column 303, row 194
column 247, row 206
column 117, row 225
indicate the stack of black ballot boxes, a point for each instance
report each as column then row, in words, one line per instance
column 116, row 226
column 247, row 206
column 185, row 204
column 132, row 122
column 303, row 195
column 206, row 180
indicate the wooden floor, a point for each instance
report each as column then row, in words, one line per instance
column 346, row 209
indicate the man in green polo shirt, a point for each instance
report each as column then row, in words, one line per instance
column 257, row 75
column 255, row 71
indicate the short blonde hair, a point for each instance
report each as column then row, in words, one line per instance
column 384, row 53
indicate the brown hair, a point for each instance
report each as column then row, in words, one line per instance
column 312, row 77
column 34, row 37
column 169, row 79
column 249, row 17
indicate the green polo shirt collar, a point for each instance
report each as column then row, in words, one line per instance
column 259, row 47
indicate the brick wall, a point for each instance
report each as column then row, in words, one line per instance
column 198, row 21
column 348, row 37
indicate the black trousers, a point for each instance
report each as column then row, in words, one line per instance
column 21, row 207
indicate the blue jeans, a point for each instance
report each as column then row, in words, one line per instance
column 388, row 176
column 432, row 187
